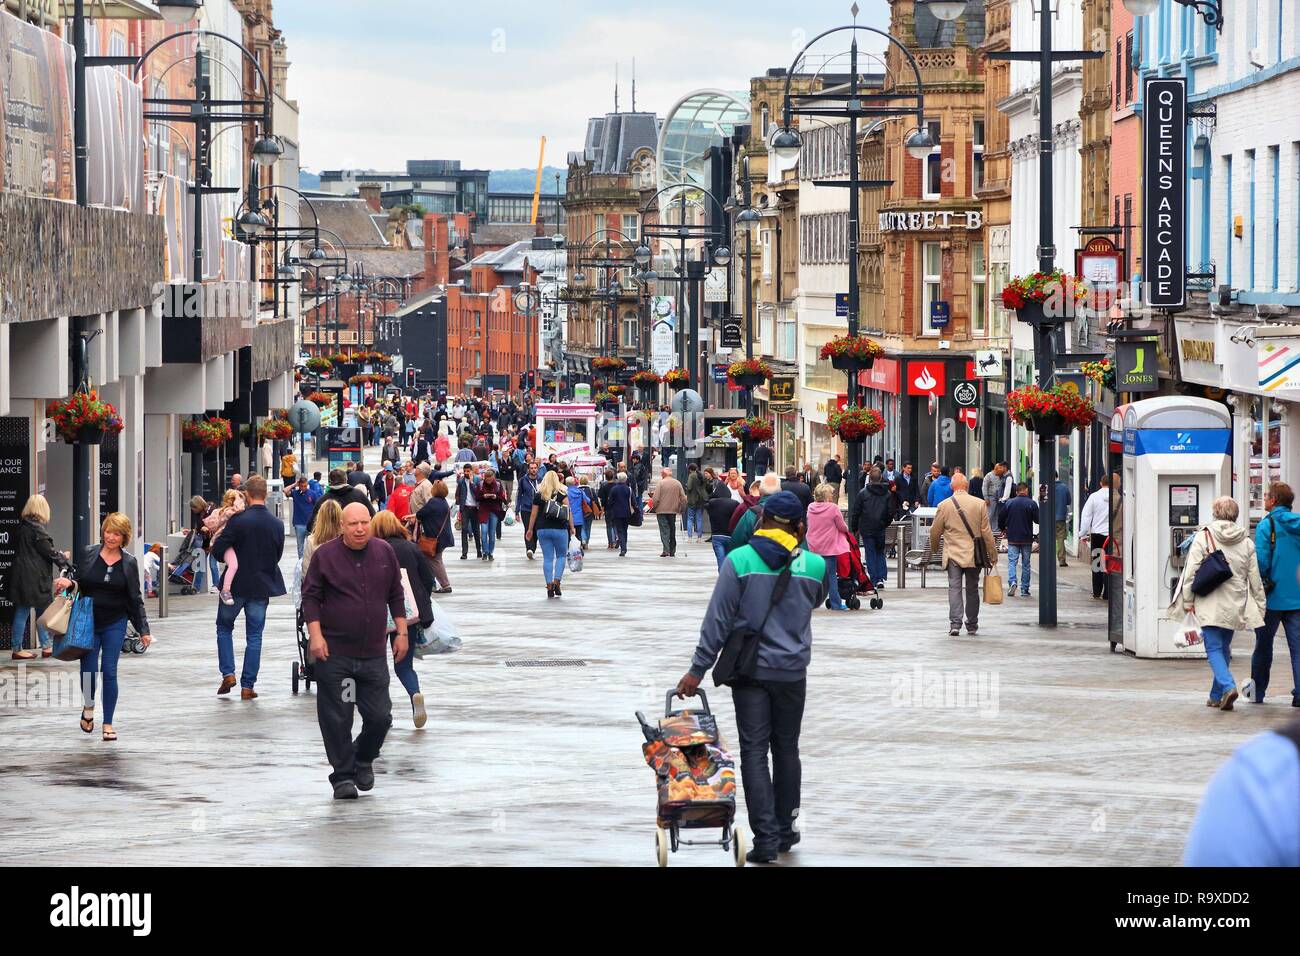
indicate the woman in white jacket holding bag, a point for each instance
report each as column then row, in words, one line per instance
column 1235, row 605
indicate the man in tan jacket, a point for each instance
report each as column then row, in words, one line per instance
column 960, row 555
column 669, row 503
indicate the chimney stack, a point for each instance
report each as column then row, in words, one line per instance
column 370, row 193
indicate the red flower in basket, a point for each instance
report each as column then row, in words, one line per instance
column 751, row 429
column 854, row 423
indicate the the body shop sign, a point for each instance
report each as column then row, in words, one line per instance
column 1164, row 146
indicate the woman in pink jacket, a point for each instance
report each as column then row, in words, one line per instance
column 828, row 535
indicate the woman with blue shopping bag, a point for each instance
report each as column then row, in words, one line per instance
column 108, row 587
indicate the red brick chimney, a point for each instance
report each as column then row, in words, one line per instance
column 370, row 193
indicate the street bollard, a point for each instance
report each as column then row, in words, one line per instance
column 161, row 583
column 901, row 551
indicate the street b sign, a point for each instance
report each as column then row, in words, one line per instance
column 731, row 337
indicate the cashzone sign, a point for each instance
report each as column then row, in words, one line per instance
column 1164, row 204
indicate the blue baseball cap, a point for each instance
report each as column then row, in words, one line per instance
column 783, row 508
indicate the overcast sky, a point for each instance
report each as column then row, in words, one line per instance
column 383, row 81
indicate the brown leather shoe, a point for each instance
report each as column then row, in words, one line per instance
column 227, row 683
column 247, row 693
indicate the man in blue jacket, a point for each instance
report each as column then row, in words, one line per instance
column 1277, row 546
column 257, row 538
column 769, row 705
column 303, row 499
column 940, row 489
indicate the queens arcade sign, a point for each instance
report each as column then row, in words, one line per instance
column 1164, row 209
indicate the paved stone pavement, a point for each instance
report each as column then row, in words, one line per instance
column 1071, row 754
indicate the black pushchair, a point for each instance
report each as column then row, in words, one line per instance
column 304, row 668
column 182, row 573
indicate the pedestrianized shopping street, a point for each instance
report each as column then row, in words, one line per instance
column 1045, row 748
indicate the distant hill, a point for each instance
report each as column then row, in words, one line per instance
column 308, row 180
column 523, row 180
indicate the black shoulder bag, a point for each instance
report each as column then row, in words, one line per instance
column 738, row 661
column 1213, row 570
column 1269, row 583
column 981, row 554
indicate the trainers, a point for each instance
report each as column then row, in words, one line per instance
column 788, row 843
column 365, row 776
column 345, row 790
column 760, row 856
column 954, row 631
column 418, row 713
column 1213, row 703
column 1228, row 699
column 1248, row 690
column 1024, row 594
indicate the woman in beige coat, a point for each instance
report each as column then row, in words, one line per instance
column 1235, row 605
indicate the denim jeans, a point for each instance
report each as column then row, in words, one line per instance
column 554, row 542
column 1261, row 662
column 585, row 531
column 1020, row 554
column 1218, row 640
column 720, row 542
column 469, row 528
column 108, row 648
column 488, row 534
column 254, row 621
column 873, row 545
column 768, row 717
column 300, row 530
column 694, row 522
column 21, row 614
column 611, row 537
column 405, row 668
column 367, row 692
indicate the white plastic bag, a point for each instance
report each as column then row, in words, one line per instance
column 575, row 559
column 1189, row 632
column 440, row 637
column 509, row 519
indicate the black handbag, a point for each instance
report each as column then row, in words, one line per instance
column 738, row 661
column 1214, row 570
column 1269, row 582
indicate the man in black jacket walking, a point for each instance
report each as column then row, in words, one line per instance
column 1017, row 518
column 833, row 474
column 343, row 492
column 873, row 515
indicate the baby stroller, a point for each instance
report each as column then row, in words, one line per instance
column 696, row 779
column 853, row 579
column 304, row 670
column 182, row 572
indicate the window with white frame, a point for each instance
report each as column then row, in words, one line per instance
column 764, row 119
column 978, row 291
column 766, row 244
column 630, row 223
column 631, row 330
column 977, row 154
column 931, row 282
column 932, row 184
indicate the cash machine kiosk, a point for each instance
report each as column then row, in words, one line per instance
column 1176, row 462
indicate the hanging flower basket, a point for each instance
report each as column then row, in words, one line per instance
column 320, row 365
column 205, row 434
column 646, row 381
column 378, row 378
column 82, row 419
column 852, row 353
column 275, row 429
column 855, row 424
column 322, row 399
column 608, row 363
column 617, row 390
column 359, row 380
column 749, row 373
column 751, row 429
column 1054, row 411
column 1044, row 298
column 677, row 379
column 1103, row 373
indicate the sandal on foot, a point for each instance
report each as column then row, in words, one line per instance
column 110, row 735
column 87, row 720
column 22, row 656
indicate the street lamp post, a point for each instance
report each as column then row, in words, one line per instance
column 747, row 220
column 1045, row 332
column 854, row 104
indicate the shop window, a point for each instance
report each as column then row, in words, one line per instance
column 933, row 183
column 1265, row 451
column 979, row 283
column 932, row 283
